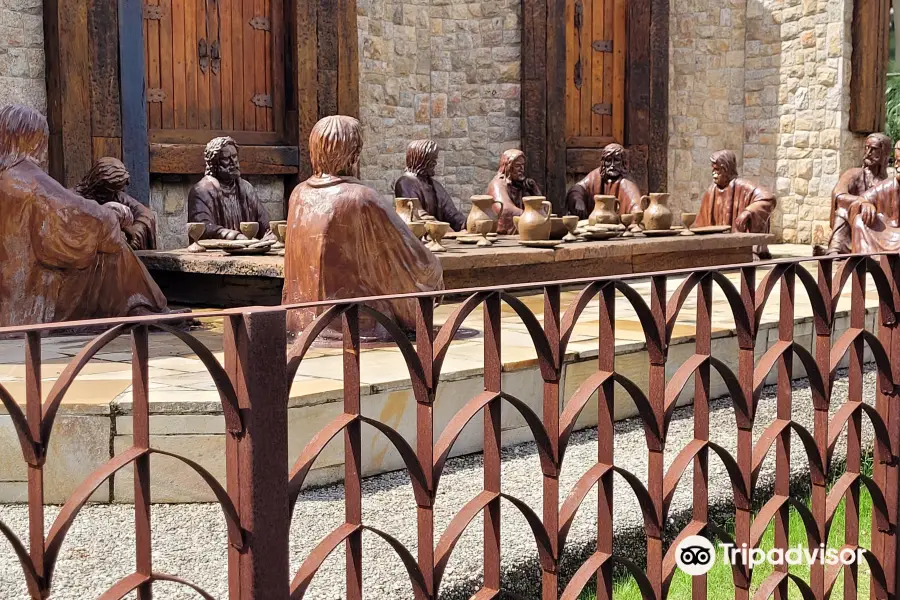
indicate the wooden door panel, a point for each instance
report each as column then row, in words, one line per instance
column 211, row 67
column 595, row 72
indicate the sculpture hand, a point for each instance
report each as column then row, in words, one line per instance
column 135, row 239
column 743, row 221
column 868, row 212
column 233, row 234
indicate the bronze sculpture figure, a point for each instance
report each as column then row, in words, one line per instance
column 418, row 182
column 105, row 183
column 735, row 202
column 874, row 219
column 609, row 179
column 344, row 240
column 62, row 257
column 508, row 187
column 222, row 199
column 850, row 188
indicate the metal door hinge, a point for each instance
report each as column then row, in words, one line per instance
column 155, row 95
column 579, row 14
column 262, row 100
column 602, row 109
column 261, row 23
column 602, row 46
column 153, row 12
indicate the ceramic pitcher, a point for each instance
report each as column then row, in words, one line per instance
column 657, row 215
column 534, row 224
column 606, row 211
column 482, row 209
column 405, row 208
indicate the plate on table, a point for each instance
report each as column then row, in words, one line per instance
column 540, row 243
column 711, row 229
column 472, row 239
column 600, row 234
column 660, row 232
column 226, row 244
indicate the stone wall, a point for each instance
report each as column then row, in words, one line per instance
column 168, row 200
column 768, row 79
column 440, row 69
column 22, row 79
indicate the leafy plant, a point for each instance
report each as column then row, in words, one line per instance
column 892, row 99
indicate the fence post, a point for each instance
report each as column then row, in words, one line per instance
column 257, row 461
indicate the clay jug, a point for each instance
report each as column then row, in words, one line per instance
column 534, row 224
column 606, row 211
column 405, row 208
column 482, row 208
column 657, row 215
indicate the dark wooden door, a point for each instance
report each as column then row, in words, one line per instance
column 595, row 72
column 215, row 67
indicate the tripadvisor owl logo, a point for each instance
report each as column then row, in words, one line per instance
column 695, row 555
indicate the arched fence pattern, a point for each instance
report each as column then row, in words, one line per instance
column 257, row 499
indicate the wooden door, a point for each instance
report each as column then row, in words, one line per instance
column 595, row 72
column 215, row 67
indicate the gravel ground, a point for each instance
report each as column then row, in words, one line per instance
column 189, row 540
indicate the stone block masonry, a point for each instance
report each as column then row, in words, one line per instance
column 445, row 70
column 769, row 79
column 22, row 75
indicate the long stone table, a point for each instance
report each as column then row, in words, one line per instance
column 215, row 279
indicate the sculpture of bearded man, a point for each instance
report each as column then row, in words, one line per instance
column 508, row 187
column 609, row 179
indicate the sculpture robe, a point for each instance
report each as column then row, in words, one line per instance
column 884, row 234
column 63, row 257
column 510, row 195
column 433, row 197
column 852, row 184
column 344, row 241
column 580, row 198
column 722, row 207
column 207, row 204
column 141, row 235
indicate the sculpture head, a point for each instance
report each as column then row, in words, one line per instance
column 422, row 157
column 23, row 136
column 512, row 165
column 222, row 159
column 104, row 181
column 334, row 146
column 877, row 152
column 612, row 163
column 724, row 167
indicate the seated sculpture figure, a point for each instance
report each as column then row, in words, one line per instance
column 609, row 179
column 418, row 182
column 509, row 186
column 222, row 199
column 344, row 240
column 733, row 201
column 105, row 183
column 874, row 219
column 62, row 257
column 852, row 185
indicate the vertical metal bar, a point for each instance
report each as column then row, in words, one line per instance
column 550, row 578
column 35, row 472
column 746, row 365
column 820, row 424
column 425, row 440
column 255, row 358
column 655, row 459
column 854, row 424
column 352, row 454
column 141, row 439
column 492, row 422
column 783, row 411
column 606, row 361
column 891, row 557
column 702, row 346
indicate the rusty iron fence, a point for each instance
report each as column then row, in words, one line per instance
column 258, row 498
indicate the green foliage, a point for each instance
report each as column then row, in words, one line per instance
column 892, row 99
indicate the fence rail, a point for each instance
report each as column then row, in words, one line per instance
column 257, row 498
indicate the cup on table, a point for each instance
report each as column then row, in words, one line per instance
column 249, row 229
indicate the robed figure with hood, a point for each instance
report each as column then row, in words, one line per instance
column 419, row 182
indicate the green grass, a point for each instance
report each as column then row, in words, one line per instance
column 720, row 584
